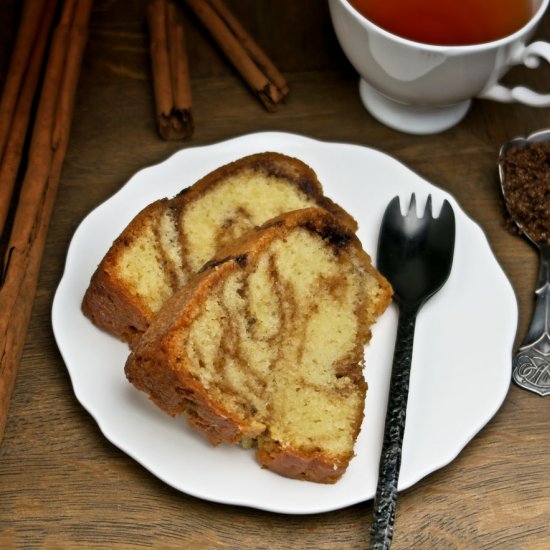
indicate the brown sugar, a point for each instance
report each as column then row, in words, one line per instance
column 526, row 186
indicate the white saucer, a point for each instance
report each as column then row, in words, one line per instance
column 461, row 364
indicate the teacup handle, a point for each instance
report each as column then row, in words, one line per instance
column 529, row 56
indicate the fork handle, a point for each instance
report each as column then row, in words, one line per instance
column 385, row 499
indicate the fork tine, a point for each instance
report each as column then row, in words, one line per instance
column 393, row 205
column 428, row 210
column 447, row 212
column 412, row 206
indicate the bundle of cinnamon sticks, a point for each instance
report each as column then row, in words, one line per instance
column 45, row 64
column 170, row 65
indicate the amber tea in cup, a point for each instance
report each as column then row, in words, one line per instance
column 447, row 22
column 422, row 62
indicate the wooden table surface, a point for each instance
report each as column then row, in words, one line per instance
column 63, row 485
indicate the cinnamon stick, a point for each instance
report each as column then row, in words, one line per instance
column 38, row 191
column 179, row 67
column 269, row 94
column 251, row 46
column 170, row 71
column 31, row 16
column 14, row 133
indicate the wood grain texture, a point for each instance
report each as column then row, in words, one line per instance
column 63, row 485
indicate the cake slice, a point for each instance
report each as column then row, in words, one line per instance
column 264, row 346
column 171, row 239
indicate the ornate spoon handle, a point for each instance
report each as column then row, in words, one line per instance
column 531, row 365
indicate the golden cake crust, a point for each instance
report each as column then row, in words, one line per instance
column 156, row 368
column 114, row 307
column 108, row 303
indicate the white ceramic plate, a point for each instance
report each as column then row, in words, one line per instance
column 461, row 364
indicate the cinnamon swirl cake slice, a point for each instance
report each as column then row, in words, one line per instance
column 171, row 239
column 264, row 346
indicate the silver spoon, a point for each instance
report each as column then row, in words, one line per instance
column 531, row 365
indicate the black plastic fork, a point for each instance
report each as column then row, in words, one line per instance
column 415, row 254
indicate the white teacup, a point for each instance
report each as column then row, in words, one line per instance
column 423, row 89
